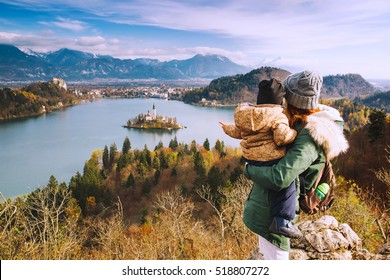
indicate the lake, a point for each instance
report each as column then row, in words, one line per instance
column 59, row 143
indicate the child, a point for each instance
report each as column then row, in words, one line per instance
column 264, row 130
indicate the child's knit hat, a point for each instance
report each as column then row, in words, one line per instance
column 270, row 92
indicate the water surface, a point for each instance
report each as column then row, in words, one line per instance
column 59, row 143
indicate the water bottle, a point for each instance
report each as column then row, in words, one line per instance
column 322, row 190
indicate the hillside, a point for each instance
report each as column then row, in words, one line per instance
column 178, row 202
column 367, row 155
column 349, row 85
column 73, row 65
column 244, row 87
column 379, row 100
column 237, row 88
column 34, row 99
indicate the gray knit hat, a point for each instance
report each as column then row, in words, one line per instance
column 303, row 89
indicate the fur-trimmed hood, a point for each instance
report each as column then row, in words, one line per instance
column 326, row 132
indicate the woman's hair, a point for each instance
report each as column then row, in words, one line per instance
column 299, row 114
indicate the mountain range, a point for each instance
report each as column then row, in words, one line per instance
column 230, row 82
column 72, row 65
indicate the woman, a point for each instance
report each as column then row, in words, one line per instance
column 320, row 137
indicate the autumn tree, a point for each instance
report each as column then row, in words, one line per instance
column 90, row 184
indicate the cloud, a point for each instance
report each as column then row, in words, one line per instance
column 43, row 42
column 305, row 25
column 74, row 25
column 333, row 35
column 90, row 41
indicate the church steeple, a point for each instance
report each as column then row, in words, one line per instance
column 154, row 112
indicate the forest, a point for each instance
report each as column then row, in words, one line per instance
column 171, row 202
column 34, row 99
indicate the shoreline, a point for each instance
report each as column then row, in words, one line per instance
column 52, row 109
column 157, row 128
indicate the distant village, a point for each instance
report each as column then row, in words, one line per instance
column 152, row 120
column 90, row 92
column 162, row 92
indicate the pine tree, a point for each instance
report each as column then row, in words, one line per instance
column 122, row 162
column 199, row 164
column 163, row 160
column 220, row 148
column 53, row 183
column 157, row 176
column 106, row 159
column 159, row 145
column 148, row 156
column 126, row 146
column 174, row 171
column 193, row 147
column 376, row 126
column 156, row 162
column 206, row 144
column 173, row 144
column 130, row 181
column 113, row 150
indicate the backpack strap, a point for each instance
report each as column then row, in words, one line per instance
column 302, row 183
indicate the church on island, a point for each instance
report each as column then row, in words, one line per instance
column 153, row 116
column 152, row 120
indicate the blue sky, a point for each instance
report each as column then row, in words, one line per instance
column 329, row 36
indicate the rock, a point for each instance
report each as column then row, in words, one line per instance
column 385, row 249
column 60, row 83
column 327, row 240
column 364, row 254
column 339, row 255
column 297, row 254
column 255, row 255
column 350, row 235
column 325, row 222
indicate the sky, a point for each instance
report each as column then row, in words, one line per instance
column 328, row 36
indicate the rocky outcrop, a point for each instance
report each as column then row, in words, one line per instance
column 60, row 83
column 325, row 239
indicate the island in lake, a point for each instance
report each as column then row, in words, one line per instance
column 152, row 120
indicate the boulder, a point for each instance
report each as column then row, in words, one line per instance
column 325, row 239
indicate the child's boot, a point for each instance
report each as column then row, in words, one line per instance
column 284, row 227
